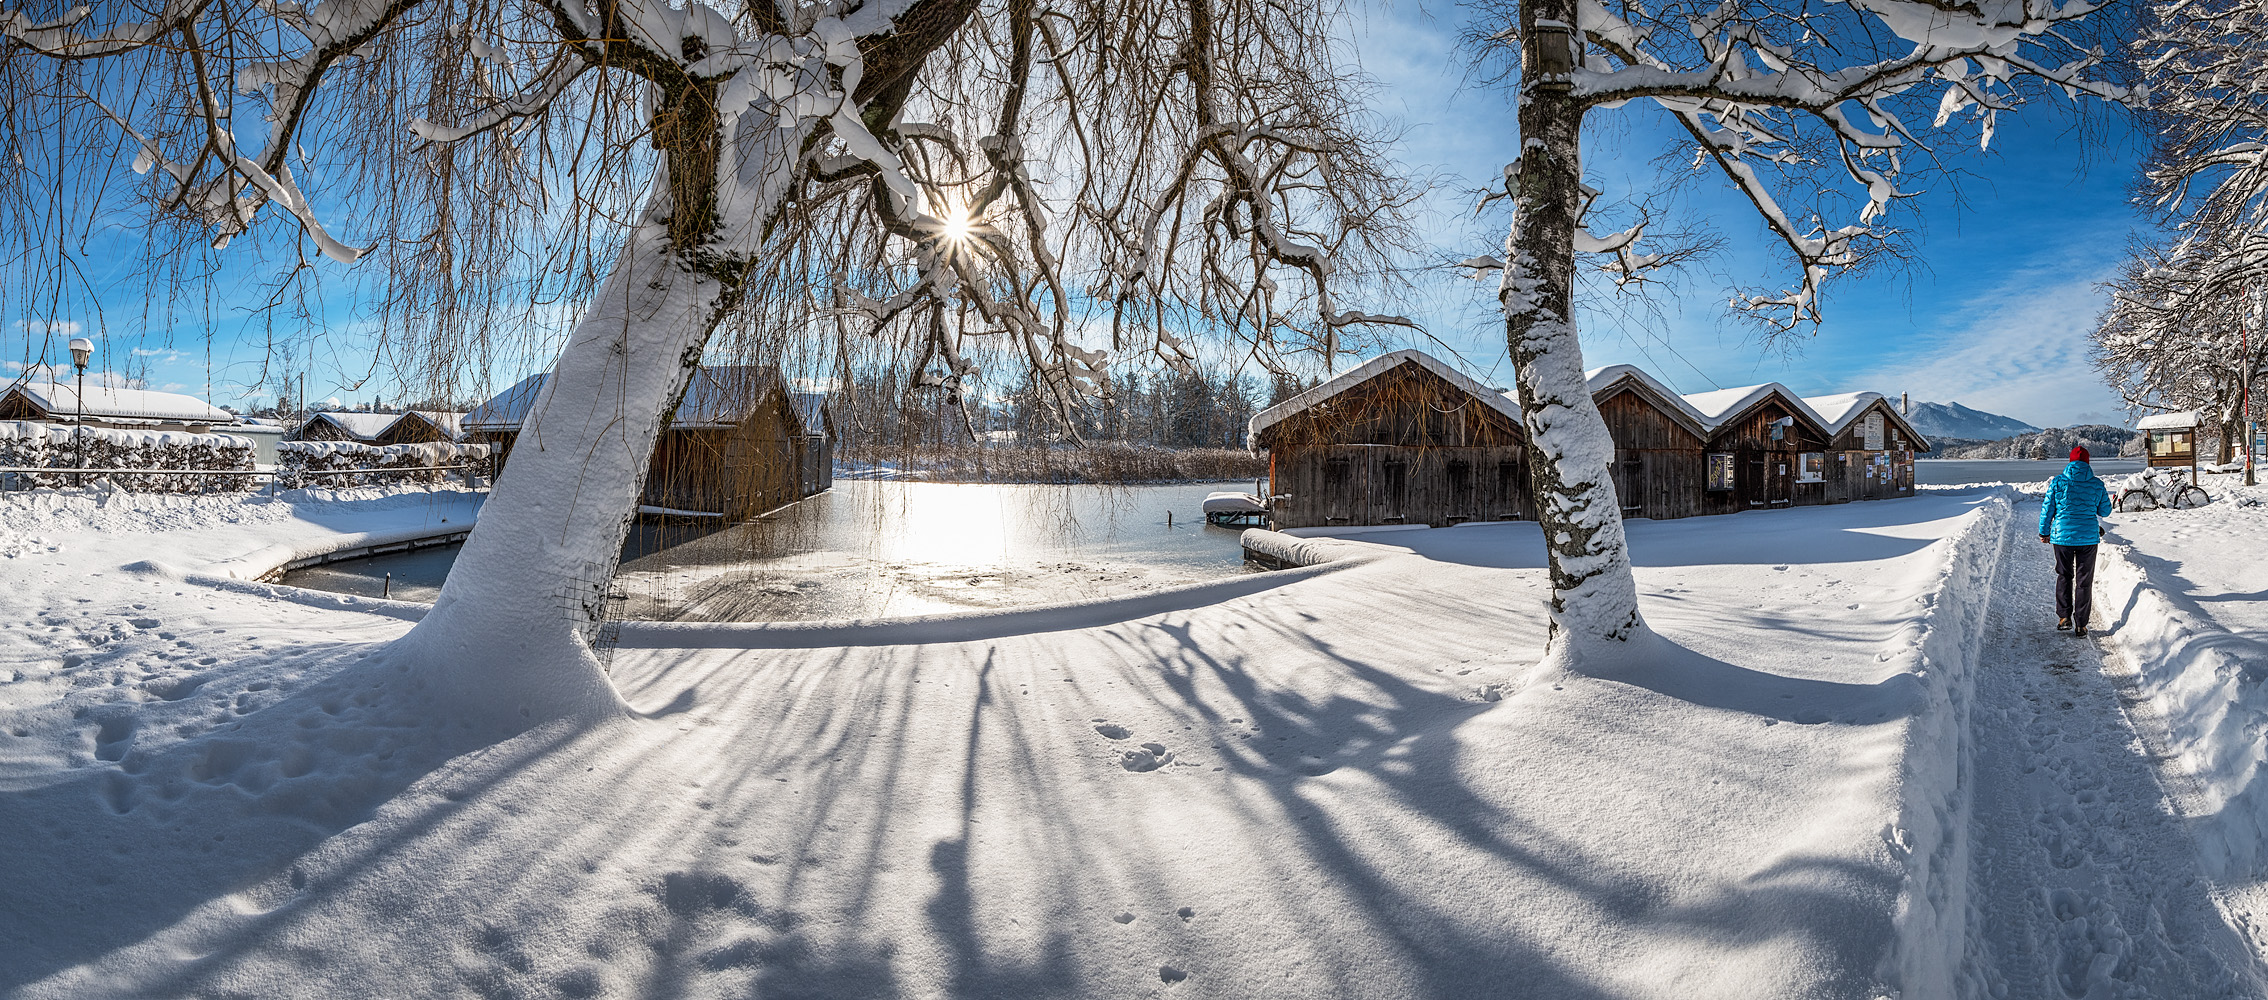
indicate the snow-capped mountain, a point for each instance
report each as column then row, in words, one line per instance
column 1952, row 420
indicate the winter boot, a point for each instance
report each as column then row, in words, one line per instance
column 2081, row 631
column 2063, row 624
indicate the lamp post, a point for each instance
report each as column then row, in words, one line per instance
column 81, row 350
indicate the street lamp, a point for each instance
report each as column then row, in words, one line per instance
column 81, row 350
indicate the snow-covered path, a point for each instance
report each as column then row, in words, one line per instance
column 2085, row 884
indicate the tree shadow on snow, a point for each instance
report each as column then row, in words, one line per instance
column 125, row 848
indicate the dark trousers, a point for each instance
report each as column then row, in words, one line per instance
column 2074, row 583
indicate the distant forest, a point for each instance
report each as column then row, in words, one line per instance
column 1165, row 409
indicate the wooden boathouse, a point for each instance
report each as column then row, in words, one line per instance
column 1400, row 439
column 739, row 444
column 1870, row 449
column 1406, row 439
column 1754, row 458
column 1659, row 443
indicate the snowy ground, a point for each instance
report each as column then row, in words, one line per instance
column 1311, row 784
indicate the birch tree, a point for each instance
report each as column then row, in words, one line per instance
column 1818, row 113
column 1139, row 174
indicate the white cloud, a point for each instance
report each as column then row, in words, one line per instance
column 56, row 327
column 66, row 374
column 2022, row 353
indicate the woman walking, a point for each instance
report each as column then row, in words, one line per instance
column 2068, row 520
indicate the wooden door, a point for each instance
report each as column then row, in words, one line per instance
column 1344, row 485
column 1630, row 483
column 1390, row 488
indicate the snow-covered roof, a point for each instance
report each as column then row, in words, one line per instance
column 450, row 424
column 1710, row 410
column 360, row 426
column 506, row 409
column 110, row 404
column 2168, row 421
column 1837, row 411
column 1365, row 372
column 1602, row 379
column 718, row 396
column 811, row 410
column 1719, row 405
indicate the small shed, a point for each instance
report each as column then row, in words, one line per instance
column 2172, row 440
column 108, row 406
column 815, row 444
column 1400, row 439
column 1753, row 458
column 1870, row 448
column 423, row 427
column 1659, row 443
column 350, row 426
column 739, row 444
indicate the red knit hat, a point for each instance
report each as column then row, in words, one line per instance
column 2079, row 453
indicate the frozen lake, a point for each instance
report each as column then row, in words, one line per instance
column 1959, row 472
column 886, row 549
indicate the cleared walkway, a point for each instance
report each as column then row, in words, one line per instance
column 2084, row 883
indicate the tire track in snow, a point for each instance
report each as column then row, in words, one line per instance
column 2084, row 884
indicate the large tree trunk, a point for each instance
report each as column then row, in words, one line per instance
column 509, row 637
column 508, row 641
column 1594, row 598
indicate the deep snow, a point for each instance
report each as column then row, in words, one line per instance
column 1336, row 781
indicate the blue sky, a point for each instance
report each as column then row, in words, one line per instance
column 1994, row 315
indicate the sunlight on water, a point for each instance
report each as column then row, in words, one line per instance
column 953, row 525
column 884, row 549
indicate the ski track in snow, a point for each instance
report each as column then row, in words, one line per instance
column 2085, row 884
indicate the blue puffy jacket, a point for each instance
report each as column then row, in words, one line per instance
column 2075, row 498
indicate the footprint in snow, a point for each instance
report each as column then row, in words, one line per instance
column 1169, row 974
column 1149, row 757
column 1112, row 731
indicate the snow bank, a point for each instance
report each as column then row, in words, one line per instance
column 2181, row 589
column 1309, row 546
column 377, row 463
column 32, row 445
column 1939, row 650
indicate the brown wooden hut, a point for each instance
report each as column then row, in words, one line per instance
column 1401, row 439
column 2171, row 440
column 1659, row 444
column 1753, row 459
column 348, row 426
column 422, row 427
column 1870, row 448
column 740, row 444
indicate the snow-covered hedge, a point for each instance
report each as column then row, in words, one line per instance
column 371, row 464
column 30, row 445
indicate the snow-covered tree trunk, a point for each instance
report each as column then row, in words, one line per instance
column 1594, row 598
column 509, row 635
column 508, row 639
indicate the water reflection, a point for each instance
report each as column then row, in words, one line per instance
column 881, row 549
